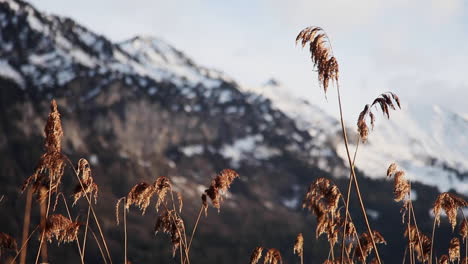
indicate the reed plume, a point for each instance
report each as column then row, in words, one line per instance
column 464, row 229
column 299, row 245
column 321, row 55
column 454, row 249
column 386, row 102
column 273, row 256
column 366, row 244
column 401, row 186
column 419, row 241
column 322, row 199
column 87, row 186
column 219, row 185
column 61, row 228
column 256, row 255
column 450, row 203
column 7, row 243
column 50, row 168
column 444, row 259
column 170, row 223
column 140, row 195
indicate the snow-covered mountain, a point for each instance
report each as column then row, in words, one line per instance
column 429, row 142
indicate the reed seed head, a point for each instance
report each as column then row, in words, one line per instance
column 219, row 185
column 299, row 245
column 140, row 195
column 61, row 228
column 87, row 186
column 321, row 53
column 256, row 255
column 464, row 229
column 50, row 168
column 273, row 256
column 366, row 244
column 454, row 249
column 386, row 102
column 450, row 203
column 444, row 259
column 171, row 223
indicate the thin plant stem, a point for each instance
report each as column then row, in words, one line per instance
column 26, row 223
column 85, row 234
column 194, row 229
column 69, row 216
column 125, row 230
column 23, row 247
column 41, row 251
column 432, row 240
column 98, row 244
column 351, row 165
column 347, row 201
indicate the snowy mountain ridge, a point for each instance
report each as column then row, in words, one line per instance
column 427, row 141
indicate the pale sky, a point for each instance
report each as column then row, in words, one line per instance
column 416, row 48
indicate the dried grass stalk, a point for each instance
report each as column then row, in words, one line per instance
column 321, row 54
column 61, row 228
column 450, row 203
column 180, row 201
column 385, row 101
column 50, row 168
column 171, row 223
column 454, row 249
column 366, row 244
column 87, row 186
column 7, row 243
column 299, row 245
column 219, row 185
column 256, row 255
column 273, row 256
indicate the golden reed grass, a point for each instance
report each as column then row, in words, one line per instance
column 171, row 223
column 219, row 185
column 61, row 228
column 450, row 203
column 299, row 245
column 256, row 255
column 50, row 168
column 385, row 102
column 272, row 256
column 88, row 185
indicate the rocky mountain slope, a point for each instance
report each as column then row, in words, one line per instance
column 142, row 109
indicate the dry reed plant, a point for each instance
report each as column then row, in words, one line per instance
column 464, row 229
column 328, row 70
column 450, row 203
column 366, row 245
column 322, row 57
column 88, row 185
column 444, row 259
column 385, row 102
column 299, row 245
column 170, row 223
column 7, row 243
column 140, row 195
column 219, row 185
column 256, row 255
column 401, row 186
column 322, row 199
column 454, row 249
column 61, row 228
column 273, row 256
column 50, row 168
column 419, row 241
